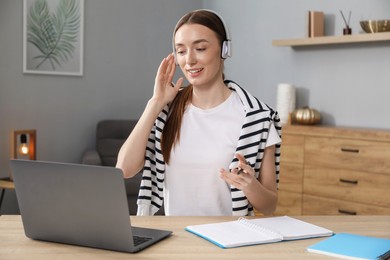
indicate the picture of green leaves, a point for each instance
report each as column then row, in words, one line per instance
column 53, row 36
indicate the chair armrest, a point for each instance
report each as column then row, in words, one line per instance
column 133, row 184
column 91, row 157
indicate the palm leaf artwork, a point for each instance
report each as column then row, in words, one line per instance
column 53, row 34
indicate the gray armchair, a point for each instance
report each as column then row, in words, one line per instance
column 110, row 136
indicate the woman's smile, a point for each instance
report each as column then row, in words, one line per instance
column 195, row 72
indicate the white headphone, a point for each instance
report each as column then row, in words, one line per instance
column 226, row 50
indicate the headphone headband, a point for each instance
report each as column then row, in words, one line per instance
column 226, row 49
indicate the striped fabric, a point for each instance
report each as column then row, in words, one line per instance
column 251, row 144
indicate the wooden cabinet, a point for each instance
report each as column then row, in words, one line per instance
column 291, row 184
column 328, row 171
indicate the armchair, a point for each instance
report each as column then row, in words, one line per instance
column 110, row 136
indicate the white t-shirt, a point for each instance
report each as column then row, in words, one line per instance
column 208, row 141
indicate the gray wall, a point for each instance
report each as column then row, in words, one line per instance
column 124, row 44
column 126, row 39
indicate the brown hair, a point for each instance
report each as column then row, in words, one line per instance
column 171, row 131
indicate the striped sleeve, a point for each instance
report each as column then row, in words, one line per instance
column 150, row 196
column 252, row 143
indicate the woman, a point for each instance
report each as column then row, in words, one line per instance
column 210, row 148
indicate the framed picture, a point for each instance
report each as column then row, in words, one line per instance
column 53, row 33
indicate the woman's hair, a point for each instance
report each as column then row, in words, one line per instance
column 171, row 132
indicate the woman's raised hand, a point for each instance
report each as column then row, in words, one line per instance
column 164, row 89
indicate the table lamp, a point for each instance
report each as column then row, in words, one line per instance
column 24, row 144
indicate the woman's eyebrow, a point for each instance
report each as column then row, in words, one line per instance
column 200, row 41
column 195, row 42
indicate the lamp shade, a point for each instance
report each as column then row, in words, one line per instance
column 27, row 144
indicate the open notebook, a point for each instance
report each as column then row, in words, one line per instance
column 245, row 232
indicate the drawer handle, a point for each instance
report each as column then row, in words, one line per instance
column 348, row 212
column 349, row 150
column 349, row 181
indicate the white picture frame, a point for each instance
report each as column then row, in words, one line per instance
column 53, row 37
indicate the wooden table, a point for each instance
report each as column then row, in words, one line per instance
column 184, row 245
column 5, row 183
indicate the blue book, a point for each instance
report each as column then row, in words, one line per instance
column 351, row 246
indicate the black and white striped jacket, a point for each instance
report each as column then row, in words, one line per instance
column 251, row 144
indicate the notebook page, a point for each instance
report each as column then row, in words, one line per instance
column 231, row 234
column 291, row 228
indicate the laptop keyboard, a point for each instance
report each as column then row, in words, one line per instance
column 139, row 240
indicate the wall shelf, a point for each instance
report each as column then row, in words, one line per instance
column 328, row 40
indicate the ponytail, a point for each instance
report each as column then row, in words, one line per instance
column 171, row 131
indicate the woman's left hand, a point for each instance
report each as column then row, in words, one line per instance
column 241, row 179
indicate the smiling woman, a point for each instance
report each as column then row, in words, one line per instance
column 201, row 135
column 198, row 55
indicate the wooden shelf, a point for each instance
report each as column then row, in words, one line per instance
column 328, row 40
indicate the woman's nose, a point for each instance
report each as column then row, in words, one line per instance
column 191, row 58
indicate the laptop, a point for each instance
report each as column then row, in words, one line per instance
column 77, row 204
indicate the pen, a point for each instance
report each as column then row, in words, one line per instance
column 241, row 170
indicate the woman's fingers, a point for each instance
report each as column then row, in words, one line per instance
column 161, row 69
column 232, row 179
column 179, row 83
column 243, row 165
column 171, row 68
column 240, row 177
column 166, row 70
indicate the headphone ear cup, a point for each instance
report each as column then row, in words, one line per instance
column 226, row 51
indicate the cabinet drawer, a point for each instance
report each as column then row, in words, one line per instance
column 289, row 203
column 291, row 177
column 348, row 154
column 362, row 187
column 313, row 205
column 292, row 148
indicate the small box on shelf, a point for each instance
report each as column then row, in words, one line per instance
column 315, row 24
